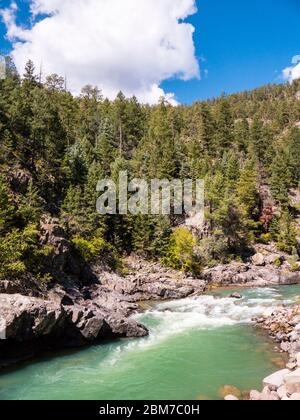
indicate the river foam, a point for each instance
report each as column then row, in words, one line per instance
column 170, row 319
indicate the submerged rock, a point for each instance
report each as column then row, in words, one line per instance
column 231, row 391
column 231, row 398
column 236, row 296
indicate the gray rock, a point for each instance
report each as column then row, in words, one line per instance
column 258, row 260
column 282, row 392
column 255, row 396
column 275, row 381
column 272, row 258
column 30, row 318
column 291, row 366
column 285, row 346
column 34, row 324
column 292, row 382
column 236, row 296
column 126, row 328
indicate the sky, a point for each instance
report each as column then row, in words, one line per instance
column 185, row 50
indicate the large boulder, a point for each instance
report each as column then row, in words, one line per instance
column 125, row 328
column 258, row 260
column 29, row 325
column 275, row 381
column 292, row 382
column 29, row 318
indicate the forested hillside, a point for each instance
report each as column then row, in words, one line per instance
column 55, row 147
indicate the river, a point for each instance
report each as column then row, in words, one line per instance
column 195, row 346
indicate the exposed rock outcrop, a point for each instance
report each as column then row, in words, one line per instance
column 61, row 259
column 33, row 324
column 19, row 179
column 271, row 269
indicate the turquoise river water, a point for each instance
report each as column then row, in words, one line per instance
column 195, row 346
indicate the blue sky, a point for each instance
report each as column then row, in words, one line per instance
column 246, row 44
column 240, row 45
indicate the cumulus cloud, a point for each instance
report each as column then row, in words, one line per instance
column 293, row 72
column 128, row 45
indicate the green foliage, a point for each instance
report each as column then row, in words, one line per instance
column 95, row 249
column 280, row 179
column 6, row 209
column 284, row 233
column 247, row 195
column 20, row 252
column 277, row 263
column 30, row 206
column 265, row 238
column 89, row 249
column 294, row 265
column 151, row 236
column 65, row 144
column 181, row 253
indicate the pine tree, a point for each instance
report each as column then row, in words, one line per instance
column 225, row 125
column 280, row 179
column 294, row 155
column 248, row 195
column 231, row 170
column 242, row 134
column 286, row 236
column 29, row 76
column 159, row 150
column 120, row 116
column 93, row 220
column 260, row 138
column 6, row 208
column 30, row 206
column 229, row 219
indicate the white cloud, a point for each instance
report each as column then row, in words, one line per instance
column 132, row 45
column 293, row 72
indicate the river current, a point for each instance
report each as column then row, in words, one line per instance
column 196, row 346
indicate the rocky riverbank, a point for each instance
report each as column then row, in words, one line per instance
column 265, row 268
column 283, row 326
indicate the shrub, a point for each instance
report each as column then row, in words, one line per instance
column 20, row 253
column 95, row 248
column 181, row 253
column 294, row 266
column 89, row 249
column 278, row 262
column 15, row 247
column 265, row 238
